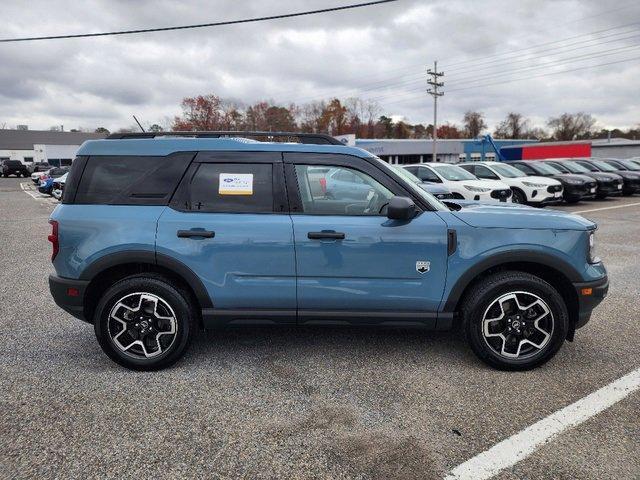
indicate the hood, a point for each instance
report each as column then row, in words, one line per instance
column 536, row 179
column 433, row 188
column 604, row 177
column 492, row 184
column 509, row 215
column 573, row 176
column 629, row 175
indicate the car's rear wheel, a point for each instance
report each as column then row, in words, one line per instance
column 144, row 323
column 515, row 320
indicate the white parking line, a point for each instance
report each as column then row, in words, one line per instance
column 608, row 208
column 519, row 446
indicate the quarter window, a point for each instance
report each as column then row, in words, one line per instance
column 232, row 188
column 340, row 191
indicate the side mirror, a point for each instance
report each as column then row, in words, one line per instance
column 401, row 208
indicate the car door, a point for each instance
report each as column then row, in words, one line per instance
column 354, row 265
column 229, row 223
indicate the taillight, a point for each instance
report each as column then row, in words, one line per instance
column 53, row 238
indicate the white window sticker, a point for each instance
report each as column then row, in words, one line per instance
column 236, row 184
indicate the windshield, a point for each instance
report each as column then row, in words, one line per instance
column 453, row 173
column 629, row 165
column 574, row 167
column 507, row 171
column 414, row 188
column 547, row 169
column 604, row 166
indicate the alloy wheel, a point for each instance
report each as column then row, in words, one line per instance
column 517, row 325
column 142, row 325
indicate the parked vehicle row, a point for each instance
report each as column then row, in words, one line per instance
column 52, row 181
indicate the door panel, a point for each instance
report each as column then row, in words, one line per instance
column 366, row 271
column 249, row 263
column 374, row 267
column 245, row 259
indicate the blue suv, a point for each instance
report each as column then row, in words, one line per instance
column 160, row 235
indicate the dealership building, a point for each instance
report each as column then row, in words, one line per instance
column 53, row 147
column 403, row 151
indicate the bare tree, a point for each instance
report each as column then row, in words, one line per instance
column 474, row 123
column 571, row 126
column 512, row 127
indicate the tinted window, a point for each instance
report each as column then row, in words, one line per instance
column 232, row 187
column 525, row 168
column 427, row 175
column 129, row 180
column 484, row 172
column 332, row 194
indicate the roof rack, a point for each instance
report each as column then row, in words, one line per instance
column 308, row 138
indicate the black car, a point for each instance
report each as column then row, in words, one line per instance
column 623, row 164
column 575, row 187
column 608, row 183
column 631, row 180
column 14, row 167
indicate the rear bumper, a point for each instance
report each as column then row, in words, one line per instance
column 590, row 294
column 64, row 290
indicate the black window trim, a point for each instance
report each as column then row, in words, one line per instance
column 387, row 179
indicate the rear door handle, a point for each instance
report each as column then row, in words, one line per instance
column 327, row 234
column 196, row 233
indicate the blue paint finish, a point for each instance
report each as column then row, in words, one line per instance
column 485, row 215
column 374, row 267
column 250, row 263
column 89, row 232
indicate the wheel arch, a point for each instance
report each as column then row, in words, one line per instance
column 520, row 190
column 558, row 273
column 113, row 267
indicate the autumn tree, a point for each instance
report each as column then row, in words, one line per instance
column 203, row 112
column 571, row 126
column 449, row 130
column 474, row 124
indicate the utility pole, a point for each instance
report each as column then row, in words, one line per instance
column 433, row 81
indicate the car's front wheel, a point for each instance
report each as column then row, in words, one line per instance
column 519, row 197
column 144, row 323
column 515, row 320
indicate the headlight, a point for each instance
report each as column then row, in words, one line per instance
column 591, row 254
column 476, row 189
column 534, row 185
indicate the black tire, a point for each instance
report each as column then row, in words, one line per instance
column 481, row 299
column 519, row 197
column 158, row 286
column 601, row 196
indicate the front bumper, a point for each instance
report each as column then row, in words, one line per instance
column 590, row 294
column 69, row 295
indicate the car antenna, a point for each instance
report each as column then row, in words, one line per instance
column 134, row 117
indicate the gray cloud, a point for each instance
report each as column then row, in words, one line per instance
column 103, row 81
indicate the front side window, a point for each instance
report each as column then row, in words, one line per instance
column 427, row 175
column 340, row 191
column 484, row 172
column 604, row 166
column 232, row 188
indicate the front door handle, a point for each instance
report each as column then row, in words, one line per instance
column 196, row 233
column 326, row 234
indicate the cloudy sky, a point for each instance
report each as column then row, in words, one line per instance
column 498, row 56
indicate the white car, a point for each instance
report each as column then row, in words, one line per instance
column 461, row 183
column 534, row 190
column 35, row 176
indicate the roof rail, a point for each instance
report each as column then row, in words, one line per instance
column 309, row 138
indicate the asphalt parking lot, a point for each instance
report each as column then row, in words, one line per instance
column 301, row 403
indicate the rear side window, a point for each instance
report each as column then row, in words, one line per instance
column 232, row 188
column 131, row 180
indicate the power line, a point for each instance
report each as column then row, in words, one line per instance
column 525, row 78
column 201, row 25
column 385, row 84
column 435, row 93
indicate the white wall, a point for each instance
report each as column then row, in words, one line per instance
column 55, row 151
column 17, row 154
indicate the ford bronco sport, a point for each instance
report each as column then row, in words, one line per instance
column 159, row 235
